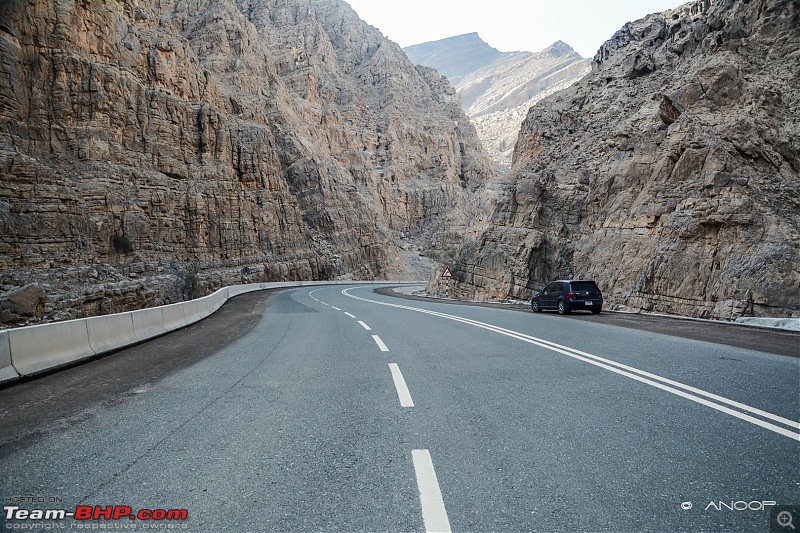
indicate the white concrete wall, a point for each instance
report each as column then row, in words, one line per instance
column 7, row 371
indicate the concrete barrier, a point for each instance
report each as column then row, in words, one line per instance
column 148, row 323
column 233, row 290
column 199, row 308
column 174, row 317
column 236, row 290
column 7, row 372
column 218, row 299
column 196, row 310
column 45, row 346
column 111, row 332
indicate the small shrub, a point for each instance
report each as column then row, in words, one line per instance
column 190, row 285
column 325, row 273
column 122, row 243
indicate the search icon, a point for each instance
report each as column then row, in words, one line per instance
column 785, row 519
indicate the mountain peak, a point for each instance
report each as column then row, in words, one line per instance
column 471, row 37
column 559, row 48
column 454, row 57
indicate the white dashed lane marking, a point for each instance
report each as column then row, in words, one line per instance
column 380, row 343
column 400, row 385
column 434, row 515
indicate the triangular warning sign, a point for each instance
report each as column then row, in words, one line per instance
column 447, row 274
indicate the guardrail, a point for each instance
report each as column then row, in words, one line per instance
column 32, row 350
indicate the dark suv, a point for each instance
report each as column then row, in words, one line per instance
column 568, row 295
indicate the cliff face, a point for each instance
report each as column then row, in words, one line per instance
column 146, row 144
column 498, row 88
column 670, row 174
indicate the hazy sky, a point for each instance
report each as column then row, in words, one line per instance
column 508, row 25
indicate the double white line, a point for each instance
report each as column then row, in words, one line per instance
column 719, row 403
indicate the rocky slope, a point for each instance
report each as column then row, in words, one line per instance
column 670, row 174
column 498, row 88
column 149, row 151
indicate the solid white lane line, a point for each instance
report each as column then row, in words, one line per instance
column 434, row 515
column 400, row 385
column 348, row 314
column 700, row 392
column 366, row 327
column 667, row 385
column 380, row 343
column 334, row 307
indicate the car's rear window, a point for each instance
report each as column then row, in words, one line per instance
column 583, row 286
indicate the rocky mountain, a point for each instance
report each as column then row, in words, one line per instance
column 498, row 88
column 455, row 57
column 670, row 174
column 149, row 151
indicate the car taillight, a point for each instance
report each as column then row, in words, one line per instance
column 599, row 294
column 571, row 295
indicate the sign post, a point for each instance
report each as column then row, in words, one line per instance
column 446, row 276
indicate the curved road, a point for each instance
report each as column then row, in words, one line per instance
column 341, row 409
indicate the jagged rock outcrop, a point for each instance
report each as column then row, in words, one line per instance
column 498, row 88
column 670, row 174
column 142, row 140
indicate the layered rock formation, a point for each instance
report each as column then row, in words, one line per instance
column 150, row 148
column 670, row 174
column 498, row 88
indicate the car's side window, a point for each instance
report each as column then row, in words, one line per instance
column 558, row 287
column 550, row 288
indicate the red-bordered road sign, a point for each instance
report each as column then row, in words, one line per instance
column 447, row 274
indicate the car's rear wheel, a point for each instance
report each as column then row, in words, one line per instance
column 562, row 308
column 535, row 306
column 596, row 311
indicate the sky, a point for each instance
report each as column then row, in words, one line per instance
column 508, row 25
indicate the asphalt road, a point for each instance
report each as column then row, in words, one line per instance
column 283, row 412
